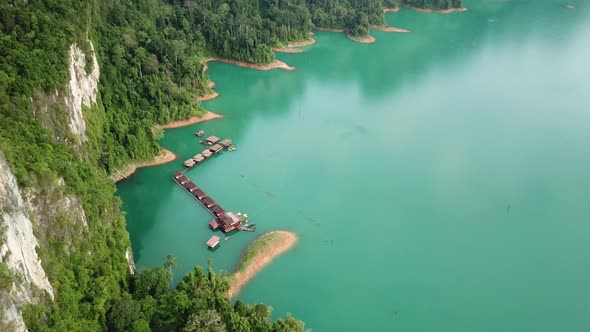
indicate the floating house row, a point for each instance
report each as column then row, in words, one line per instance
column 214, row 149
column 226, row 221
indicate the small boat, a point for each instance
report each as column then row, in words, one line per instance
column 231, row 148
column 200, row 133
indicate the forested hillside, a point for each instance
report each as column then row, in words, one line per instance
column 150, row 55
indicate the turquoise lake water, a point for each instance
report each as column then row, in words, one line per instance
column 438, row 180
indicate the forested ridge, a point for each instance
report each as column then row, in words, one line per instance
column 151, row 56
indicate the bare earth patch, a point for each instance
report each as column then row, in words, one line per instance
column 391, row 10
column 259, row 254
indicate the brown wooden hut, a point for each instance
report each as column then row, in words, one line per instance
column 229, row 222
column 177, row 175
column 213, row 241
column 183, row 180
column 216, row 148
column 225, row 143
column 189, row 163
column 198, row 158
column 199, row 194
column 211, row 140
column 208, row 202
column 206, row 153
column 218, row 211
column 191, row 187
column 214, row 224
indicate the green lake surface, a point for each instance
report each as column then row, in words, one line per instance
column 438, row 180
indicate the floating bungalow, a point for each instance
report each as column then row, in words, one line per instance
column 229, row 222
column 206, row 153
column 218, row 211
column 200, row 133
column 198, row 158
column 214, row 224
column 189, row 163
column 213, row 241
column 211, row 140
column 217, row 148
column 225, row 143
column 177, row 175
column 208, row 202
column 182, row 180
column 191, row 187
column 199, row 194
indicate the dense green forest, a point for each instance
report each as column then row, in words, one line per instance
column 151, row 56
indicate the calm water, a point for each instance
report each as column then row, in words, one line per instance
column 438, row 180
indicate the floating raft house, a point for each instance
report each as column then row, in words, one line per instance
column 206, row 153
column 198, row 158
column 216, row 148
column 208, row 202
column 213, row 241
column 189, row 163
column 225, row 143
column 200, row 133
column 211, row 140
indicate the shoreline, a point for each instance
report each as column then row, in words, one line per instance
column 391, row 10
column 266, row 247
column 190, row 121
column 364, row 40
column 292, row 47
column 439, row 11
column 273, row 65
column 388, row 29
column 164, row 157
column 208, row 96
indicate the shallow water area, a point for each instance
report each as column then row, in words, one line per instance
column 437, row 180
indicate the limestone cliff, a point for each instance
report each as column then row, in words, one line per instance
column 18, row 251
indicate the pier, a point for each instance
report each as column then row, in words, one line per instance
column 222, row 220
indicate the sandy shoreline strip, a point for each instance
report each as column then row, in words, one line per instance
column 292, row 47
column 278, row 243
column 195, row 119
column 209, row 96
column 439, row 11
column 275, row 64
column 365, row 39
column 164, row 157
column 329, row 29
column 388, row 29
column 391, row 10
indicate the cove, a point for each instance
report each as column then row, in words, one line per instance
column 437, row 180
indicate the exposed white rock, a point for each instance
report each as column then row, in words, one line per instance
column 83, row 88
column 18, row 250
column 130, row 261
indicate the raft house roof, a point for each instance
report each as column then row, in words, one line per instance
column 189, row 163
column 214, row 224
column 229, row 219
column 199, row 194
column 206, row 153
column 177, row 174
column 218, row 210
column 212, row 139
column 191, row 186
column 216, row 148
column 198, row 158
column 182, row 179
column 208, row 201
column 213, row 241
column 226, row 142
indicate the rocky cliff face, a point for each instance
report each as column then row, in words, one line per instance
column 18, row 251
column 82, row 87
